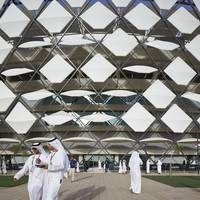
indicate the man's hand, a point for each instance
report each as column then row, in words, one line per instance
column 38, row 161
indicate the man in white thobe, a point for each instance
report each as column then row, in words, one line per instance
column 159, row 167
column 4, row 170
column 99, row 164
column 148, row 163
column 56, row 166
column 77, row 167
column 36, row 175
column 120, row 167
column 124, row 168
column 135, row 173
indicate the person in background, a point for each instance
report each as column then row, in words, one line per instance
column 148, row 163
column 107, row 163
column 120, row 167
column 36, row 175
column 124, row 168
column 135, row 172
column 73, row 165
column 159, row 167
column 4, row 168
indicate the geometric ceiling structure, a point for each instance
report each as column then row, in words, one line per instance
column 184, row 21
column 120, row 3
column 192, row 96
column 176, row 119
column 180, row 71
column 159, row 95
column 58, row 118
column 98, row 117
column 140, row 69
column 16, row 71
column 32, row 5
column 142, row 17
column 193, row 47
column 98, row 68
column 103, row 16
column 165, row 4
column 5, row 48
column 57, row 69
column 113, row 72
column 20, row 119
column 120, row 43
column 197, row 4
column 13, row 21
column 54, row 18
column 37, row 95
column 162, row 45
column 6, row 97
column 73, row 3
column 138, row 118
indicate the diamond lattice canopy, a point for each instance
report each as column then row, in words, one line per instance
column 16, row 71
column 165, row 4
column 20, row 119
column 120, row 43
column 32, row 4
column 119, row 93
column 13, row 21
column 6, row 97
column 98, row 68
column 140, row 69
column 57, row 69
column 138, row 118
column 5, row 49
column 37, row 95
column 176, row 119
column 103, row 16
column 98, row 117
column 77, row 93
column 55, row 17
column 159, row 94
column 142, row 17
column 180, row 71
column 58, row 118
column 184, row 21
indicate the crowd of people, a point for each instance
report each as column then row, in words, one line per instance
column 47, row 170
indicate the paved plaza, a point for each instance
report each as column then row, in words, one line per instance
column 94, row 186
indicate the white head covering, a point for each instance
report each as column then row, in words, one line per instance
column 39, row 147
column 56, row 144
column 135, row 159
column 159, row 162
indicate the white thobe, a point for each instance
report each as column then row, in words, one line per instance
column 124, row 168
column 148, row 166
column 159, row 167
column 77, row 167
column 36, row 176
column 99, row 164
column 120, row 167
column 4, row 170
column 57, row 166
column 135, row 174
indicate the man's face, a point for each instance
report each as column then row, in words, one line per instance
column 35, row 151
column 50, row 147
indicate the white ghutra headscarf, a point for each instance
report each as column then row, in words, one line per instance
column 135, row 159
column 40, row 148
column 58, row 145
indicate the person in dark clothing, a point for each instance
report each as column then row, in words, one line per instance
column 107, row 163
column 73, row 164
